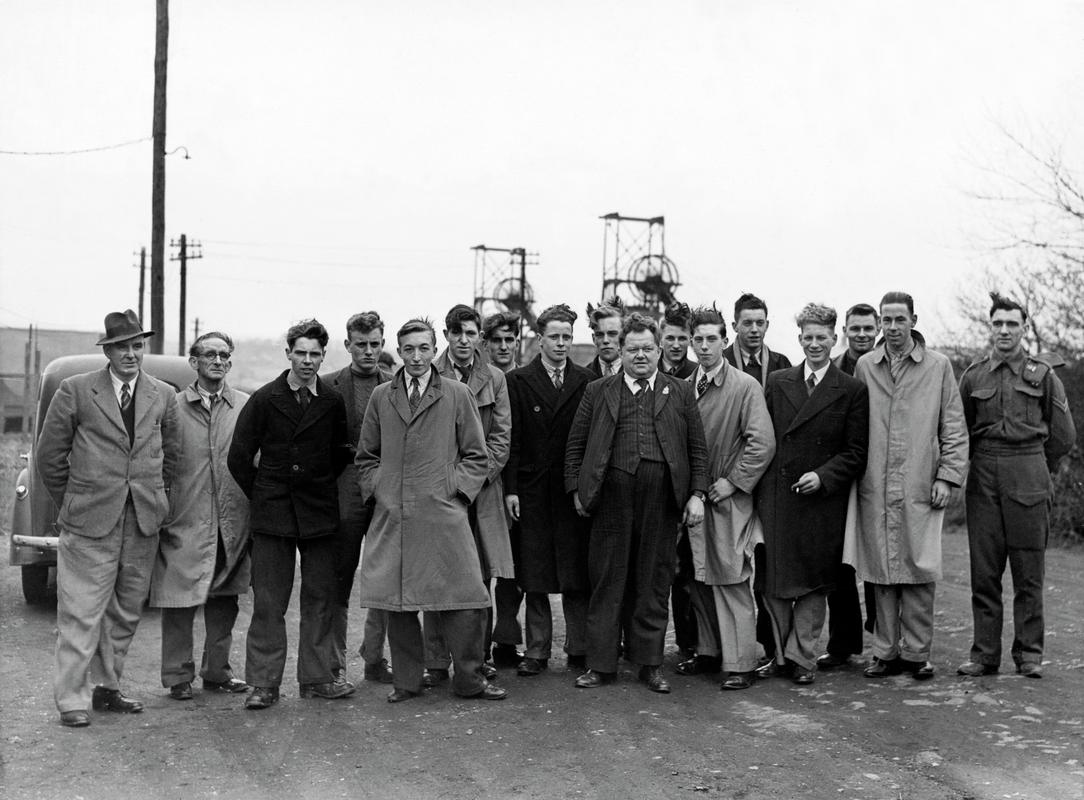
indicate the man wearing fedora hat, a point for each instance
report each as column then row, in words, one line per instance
column 105, row 455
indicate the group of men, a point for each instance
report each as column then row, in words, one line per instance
column 749, row 494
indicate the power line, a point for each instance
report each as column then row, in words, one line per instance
column 74, row 152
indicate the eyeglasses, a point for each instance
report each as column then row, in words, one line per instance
column 211, row 355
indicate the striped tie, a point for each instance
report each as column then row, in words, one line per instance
column 125, row 397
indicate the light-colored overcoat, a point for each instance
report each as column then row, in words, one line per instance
column 421, row 469
column 917, row 435
column 741, row 444
column 490, row 390
column 205, row 503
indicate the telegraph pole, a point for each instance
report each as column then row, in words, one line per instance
column 184, row 257
column 158, row 178
column 142, row 280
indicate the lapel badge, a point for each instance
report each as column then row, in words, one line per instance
column 666, row 390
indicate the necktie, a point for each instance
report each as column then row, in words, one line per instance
column 415, row 395
column 753, row 362
column 464, row 373
column 810, row 383
column 702, row 385
column 611, row 369
column 303, row 398
column 125, row 397
column 213, row 399
column 558, row 381
column 642, row 383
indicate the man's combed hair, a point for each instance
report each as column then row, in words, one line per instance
column 816, row 314
column 614, row 307
column 196, row 350
column 1000, row 302
column 417, row 325
column 502, row 319
column 749, row 302
column 707, row 315
column 899, row 297
column 365, row 322
column 460, row 313
column 307, row 329
column 860, row 310
column 557, row 313
column 638, row 323
column 679, row 315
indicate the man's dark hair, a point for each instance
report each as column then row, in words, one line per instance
column 638, row 323
column 558, row 313
column 860, row 310
column 195, row 351
column 749, row 302
column 417, row 325
column 453, row 321
column 899, row 297
column 707, row 315
column 502, row 319
column 679, row 315
column 385, row 359
column 613, row 307
column 365, row 322
column 307, row 329
column 1000, row 302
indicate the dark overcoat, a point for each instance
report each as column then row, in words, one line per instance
column 826, row 432
column 293, row 491
column 552, row 552
column 770, row 361
column 351, row 507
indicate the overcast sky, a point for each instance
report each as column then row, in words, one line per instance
column 347, row 155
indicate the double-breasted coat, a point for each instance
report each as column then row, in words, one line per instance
column 553, row 538
column 489, row 388
column 824, row 432
column 917, row 435
column 293, row 492
column 205, row 504
column 422, row 470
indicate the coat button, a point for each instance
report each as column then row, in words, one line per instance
column 295, row 468
column 537, row 409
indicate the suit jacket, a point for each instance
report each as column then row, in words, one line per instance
column 826, row 432
column 770, row 361
column 552, row 549
column 293, row 491
column 351, row 508
column 684, row 370
column 677, row 425
column 89, row 466
column 595, row 367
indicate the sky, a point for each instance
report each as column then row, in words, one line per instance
column 346, row 156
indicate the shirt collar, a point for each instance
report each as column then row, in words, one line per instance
column 746, row 355
column 550, row 366
column 712, row 375
column 117, row 383
column 1015, row 362
column 605, row 368
column 818, row 373
column 423, row 381
column 631, row 381
column 295, row 384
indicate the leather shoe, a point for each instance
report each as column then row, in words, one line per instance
column 699, row 665
column 973, row 669
column 489, row 670
column 880, row 668
column 399, row 695
column 832, row 661
column 74, row 719
column 491, row 692
column 380, row 672
column 651, row 676
column 593, row 679
column 531, row 666
column 506, row 655
column 112, row 700
column 1030, row 669
column 803, row 676
column 920, row 670
column 328, row 691
column 737, row 680
column 231, row 686
column 181, row 691
column 434, row 677
column 262, row 697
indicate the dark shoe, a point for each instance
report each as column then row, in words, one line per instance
column 803, row 676
column 181, row 691
column 737, row 680
column 832, row 661
column 699, row 665
column 262, row 697
column 112, row 700
column 434, row 677
column 489, row 671
column 490, row 692
column 334, row 690
column 74, row 719
column 880, row 668
column 920, row 670
column 531, row 666
column 592, row 679
column 973, row 669
column 1030, row 669
column 399, row 695
column 774, row 670
column 231, row 686
column 506, row 655
column 576, row 662
column 651, row 676
column 379, row 672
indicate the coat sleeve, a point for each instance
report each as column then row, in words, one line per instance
column 577, row 438
column 952, row 433
column 1060, row 421
column 498, row 440
column 367, row 456
column 845, row 467
column 472, row 465
column 759, row 441
column 245, row 444
column 511, row 469
column 55, row 442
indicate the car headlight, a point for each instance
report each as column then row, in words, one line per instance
column 21, row 491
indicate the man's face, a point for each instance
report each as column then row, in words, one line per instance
column 417, row 351
column 897, row 323
column 640, row 354
column 750, row 327
column 1007, row 328
column 861, row 333
column 501, row 347
column 364, row 350
column 605, row 339
column 555, row 341
column 305, row 358
column 461, row 344
column 675, row 344
column 212, row 363
column 125, row 357
column 709, row 341
column 817, row 342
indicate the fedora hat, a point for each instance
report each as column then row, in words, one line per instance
column 120, row 326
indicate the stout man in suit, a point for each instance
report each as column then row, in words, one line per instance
column 636, row 463
column 106, row 456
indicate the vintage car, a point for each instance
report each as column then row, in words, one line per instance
column 33, row 522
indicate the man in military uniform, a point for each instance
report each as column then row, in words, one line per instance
column 1020, row 427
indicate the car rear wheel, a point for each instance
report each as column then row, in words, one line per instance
column 36, row 589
